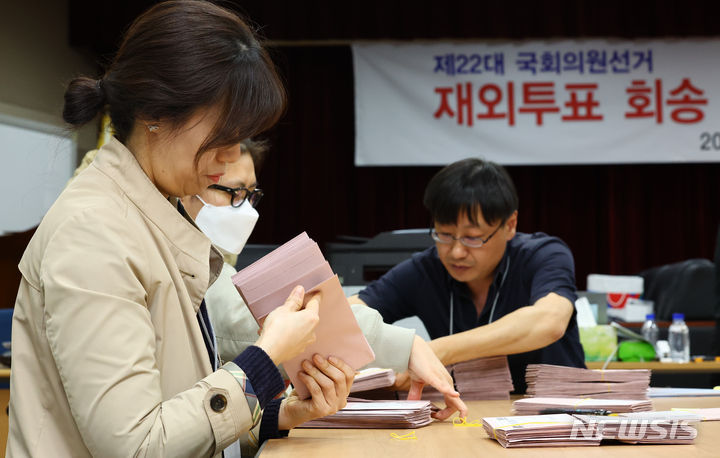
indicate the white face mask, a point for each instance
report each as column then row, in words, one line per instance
column 227, row 227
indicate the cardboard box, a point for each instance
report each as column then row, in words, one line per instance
column 618, row 290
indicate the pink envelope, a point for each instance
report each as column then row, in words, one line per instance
column 338, row 334
column 265, row 284
column 274, row 257
column 293, row 266
column 261, row 307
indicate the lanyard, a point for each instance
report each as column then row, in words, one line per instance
column 492, row 309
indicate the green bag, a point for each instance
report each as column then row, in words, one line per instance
column 636, row 351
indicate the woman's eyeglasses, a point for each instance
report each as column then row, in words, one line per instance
column 239, row 195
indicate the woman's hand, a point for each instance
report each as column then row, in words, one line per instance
column 287, row 330
column 328, row 381
column 425, row 368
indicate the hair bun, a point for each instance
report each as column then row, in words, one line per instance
column 84, row 98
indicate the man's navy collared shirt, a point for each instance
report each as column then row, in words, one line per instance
column 536, row 264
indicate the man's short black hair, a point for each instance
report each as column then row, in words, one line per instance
column 469, row 186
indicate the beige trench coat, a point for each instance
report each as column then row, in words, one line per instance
column 108, row 357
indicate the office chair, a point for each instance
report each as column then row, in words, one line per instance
column 683, row 287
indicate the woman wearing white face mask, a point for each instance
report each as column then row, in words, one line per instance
column 229, row 226
column 117, row 352
column 226, row 214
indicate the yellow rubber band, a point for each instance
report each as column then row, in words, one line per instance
column 462, row 421
column 405, row 437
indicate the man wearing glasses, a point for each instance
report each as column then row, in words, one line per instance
column 485, row 289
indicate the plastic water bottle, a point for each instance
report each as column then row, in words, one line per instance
column 679, row 339
column 649, row 329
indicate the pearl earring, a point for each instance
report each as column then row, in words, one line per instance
column 153, row 127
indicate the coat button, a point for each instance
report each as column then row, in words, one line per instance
column 218, row 403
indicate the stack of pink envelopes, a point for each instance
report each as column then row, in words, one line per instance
column 663, row 427
column 536, row 405
column 476, row 379
column 483, row 378
column 560, row 430
column 548, row 380
column 372, row 378
column 377, row 414
column 563, row 430
column 267, row 283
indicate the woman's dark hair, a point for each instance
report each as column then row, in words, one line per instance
column 469, row 186
column 176, row 58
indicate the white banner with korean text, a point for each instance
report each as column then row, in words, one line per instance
column 538, row 102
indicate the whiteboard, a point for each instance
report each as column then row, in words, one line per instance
column 37, row 161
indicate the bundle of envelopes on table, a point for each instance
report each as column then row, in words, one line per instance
column 558, row 430
column 562, row 430
column 483, row 378
column 533, row 406
column 477, row 379
column 267, row 283
column 372, row 378
column 549, row 380
column 663, row 427
column 377, row 414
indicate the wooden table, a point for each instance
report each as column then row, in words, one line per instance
column 442, row 439
column 660, row 368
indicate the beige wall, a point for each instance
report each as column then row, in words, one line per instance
column 36, row 62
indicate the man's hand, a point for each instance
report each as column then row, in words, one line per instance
column 525, row 329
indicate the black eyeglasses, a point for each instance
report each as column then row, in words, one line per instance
column 239, row 195
column 470, row 242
